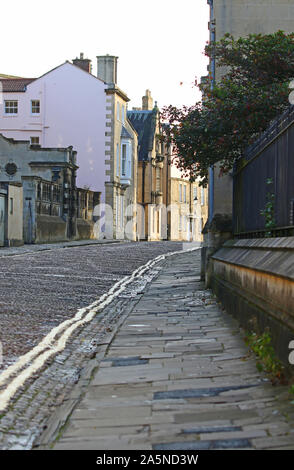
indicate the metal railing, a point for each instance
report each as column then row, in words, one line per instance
column 266, row 173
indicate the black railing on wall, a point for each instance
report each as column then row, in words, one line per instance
column 264, row 178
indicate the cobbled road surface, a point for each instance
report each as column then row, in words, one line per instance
column 41, row 289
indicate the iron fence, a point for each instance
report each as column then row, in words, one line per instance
column 266, row 173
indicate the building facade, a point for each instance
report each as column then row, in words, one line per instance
column 188, row 204
column 153, row 171
column 121, row 147
column 169, row 205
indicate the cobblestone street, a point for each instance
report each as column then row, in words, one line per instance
column 160, row 367
column 40, row 289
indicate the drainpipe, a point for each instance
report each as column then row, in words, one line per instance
column 143, row 182
column 211, row 169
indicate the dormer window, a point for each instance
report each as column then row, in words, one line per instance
column 35, row 106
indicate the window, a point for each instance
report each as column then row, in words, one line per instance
column 46, row 193
column 35, row 140
column 123, row 114
column 158, row 179
column 202, row 197
column 124, row 160
column 56, row 196
column 180, row 193
column 117, row 159
column 195, row 194
column 185, row 193
column 11, row 107
column 35, row 106
column 11, row 206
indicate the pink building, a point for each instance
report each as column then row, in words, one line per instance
column 64, row 107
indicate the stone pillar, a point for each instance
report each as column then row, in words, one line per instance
column 216, row 233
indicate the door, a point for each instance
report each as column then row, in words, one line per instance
column 2, row 219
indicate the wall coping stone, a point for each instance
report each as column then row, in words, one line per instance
column 273, row 256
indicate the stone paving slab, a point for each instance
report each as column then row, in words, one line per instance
column 198, row 387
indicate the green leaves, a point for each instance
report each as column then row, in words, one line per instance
column 269, row 211
column 253, row 91
column 261, row 345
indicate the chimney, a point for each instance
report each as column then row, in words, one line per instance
column 84, row 64
column 147, row 101
column 107, row 68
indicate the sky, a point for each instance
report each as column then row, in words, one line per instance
column 159, row 43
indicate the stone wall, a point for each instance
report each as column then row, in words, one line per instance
column 15, row 215
column 50, row 229
column 254, row 279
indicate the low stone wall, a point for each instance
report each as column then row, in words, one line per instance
column 254, row 279
column 50, row 229
column 84, row 229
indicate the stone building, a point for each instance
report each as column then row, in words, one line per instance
column 188, row 203
column 153, row 171
column 169, row 205
column 42, row 200
column 120, row 156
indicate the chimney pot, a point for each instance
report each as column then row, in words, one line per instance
column 147, row 101
column 83, row 63
column 107, row 69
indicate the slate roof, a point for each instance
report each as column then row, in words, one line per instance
column 144, row 122
column 125, row 133
column 15, row 84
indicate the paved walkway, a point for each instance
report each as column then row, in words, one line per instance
column 177, row 376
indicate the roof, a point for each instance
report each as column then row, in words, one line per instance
column 125, row 133
column 18, row 84
column 15, row 84
column 144, row 123
column 3, row 75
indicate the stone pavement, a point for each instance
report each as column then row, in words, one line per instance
column 176, row 376
column 35, row 248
